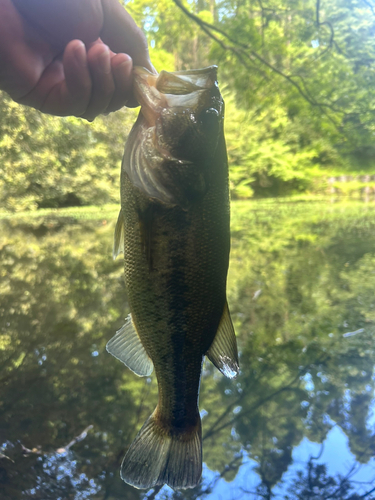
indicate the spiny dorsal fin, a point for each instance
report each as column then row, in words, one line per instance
column 127, row 347
column 223, row 350
column 118, row 243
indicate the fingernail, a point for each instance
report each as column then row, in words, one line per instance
column 104, row 61
column 126, row 58
column 125, row 64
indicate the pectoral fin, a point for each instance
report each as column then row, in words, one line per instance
column 223, row 351
column 127, row 347
column 118, row 242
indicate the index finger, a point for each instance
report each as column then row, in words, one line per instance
column 121, row 34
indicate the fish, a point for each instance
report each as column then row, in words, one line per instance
column 173, row 228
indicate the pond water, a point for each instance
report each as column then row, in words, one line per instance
column 298, row 422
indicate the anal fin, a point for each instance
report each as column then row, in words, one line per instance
column 223, row 350
column 118, row 243
column 128, row 348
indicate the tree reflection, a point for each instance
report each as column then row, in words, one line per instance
column 296, row 287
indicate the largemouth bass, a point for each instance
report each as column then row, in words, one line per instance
column 174, row 230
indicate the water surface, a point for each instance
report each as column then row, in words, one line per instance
column 298, row 423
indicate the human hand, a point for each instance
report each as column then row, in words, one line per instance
column 69, row 57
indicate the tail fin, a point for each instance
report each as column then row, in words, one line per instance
column 157, row 456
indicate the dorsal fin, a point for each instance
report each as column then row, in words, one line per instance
column 118, row 242
column 223, row 350
column 128, row 348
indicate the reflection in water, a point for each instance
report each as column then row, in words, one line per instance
column 297, row 423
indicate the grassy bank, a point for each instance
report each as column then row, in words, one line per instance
column 315, row 206
column 91, row 212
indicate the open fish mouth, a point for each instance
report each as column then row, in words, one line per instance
column 176, row 134
column 182, row 89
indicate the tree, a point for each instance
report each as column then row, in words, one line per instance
column 303, row 72
column 54, row 162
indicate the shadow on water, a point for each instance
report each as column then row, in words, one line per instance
column 298, row 423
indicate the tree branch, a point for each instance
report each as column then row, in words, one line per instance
column 243, row 51
column 332, row 32
column 317, row 9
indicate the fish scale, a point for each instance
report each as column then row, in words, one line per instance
column 174, row 229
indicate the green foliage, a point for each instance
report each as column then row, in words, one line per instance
column 300, row 91
column 52, row 162
column 264, row 155
column 306, row 73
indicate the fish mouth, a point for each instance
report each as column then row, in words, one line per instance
column 181, row 89
column 169, row 151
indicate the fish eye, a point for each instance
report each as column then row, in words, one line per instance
column 209, row 119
